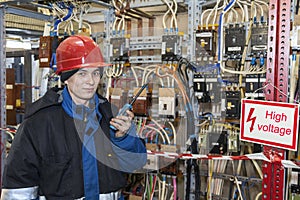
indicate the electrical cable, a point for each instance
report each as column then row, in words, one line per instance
column 214, row 10
column 242, row 9
column 158, row 131
column 174, row 132
column 175, row 188
column 164, row 19
column 258, row 195
column 162, row 129
column 135, row 76
column 163, row 186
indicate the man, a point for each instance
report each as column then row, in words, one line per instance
column 65, row 148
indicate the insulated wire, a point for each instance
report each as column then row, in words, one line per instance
column 258, row 195
column 214, row 10
column 202, row 17
column 135, row 76
column 174, row 132
column 163, row 186
column 158, row 131
column 261, row 10
column 215, row 15
column 255, row 163
column 242, row 9
column 238, row 187
column 175, row 188
column 173, row 13
column 164, row 18
column 162, row 129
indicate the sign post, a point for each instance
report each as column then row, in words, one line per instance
column 270, row 123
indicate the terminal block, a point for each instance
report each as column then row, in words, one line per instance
column 119, row 49
column 235, row 37
column 171, row 48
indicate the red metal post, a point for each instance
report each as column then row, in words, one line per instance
column 273, row 184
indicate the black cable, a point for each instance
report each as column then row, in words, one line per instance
column 188, row 179
column 197, row 179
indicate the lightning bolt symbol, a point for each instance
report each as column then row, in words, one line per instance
column 252, row 119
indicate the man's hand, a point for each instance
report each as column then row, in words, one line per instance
column 122, row 123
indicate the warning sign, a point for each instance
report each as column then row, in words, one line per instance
column 270, row 123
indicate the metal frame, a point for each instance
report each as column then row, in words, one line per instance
column 2, row 88
column 108, row 21
column 27, row 13
column 147, row 3
column 274, row 181
column 194, row 14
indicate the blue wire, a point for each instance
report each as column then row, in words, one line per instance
column 220, row 25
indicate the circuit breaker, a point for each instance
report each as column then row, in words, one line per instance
column 166, row 102
column 252, row 84
column 235, row 37
column 45, row 52
column 259, row 40
column 214, row 88
column 140, row 106
column 233, row 101
column 205, row 44
column 199, row 84
column 119, row 49
column 171, row 47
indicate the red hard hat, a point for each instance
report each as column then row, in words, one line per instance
column 78, row 52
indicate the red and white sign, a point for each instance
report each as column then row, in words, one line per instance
column 270, row 123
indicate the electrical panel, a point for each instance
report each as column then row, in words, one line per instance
column 196, row 82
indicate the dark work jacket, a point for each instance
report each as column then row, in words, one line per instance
column 46, row 152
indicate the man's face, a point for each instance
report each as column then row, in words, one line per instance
column 83, row 85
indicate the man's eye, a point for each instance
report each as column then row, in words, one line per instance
column 82, row 73
column 96, row 73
